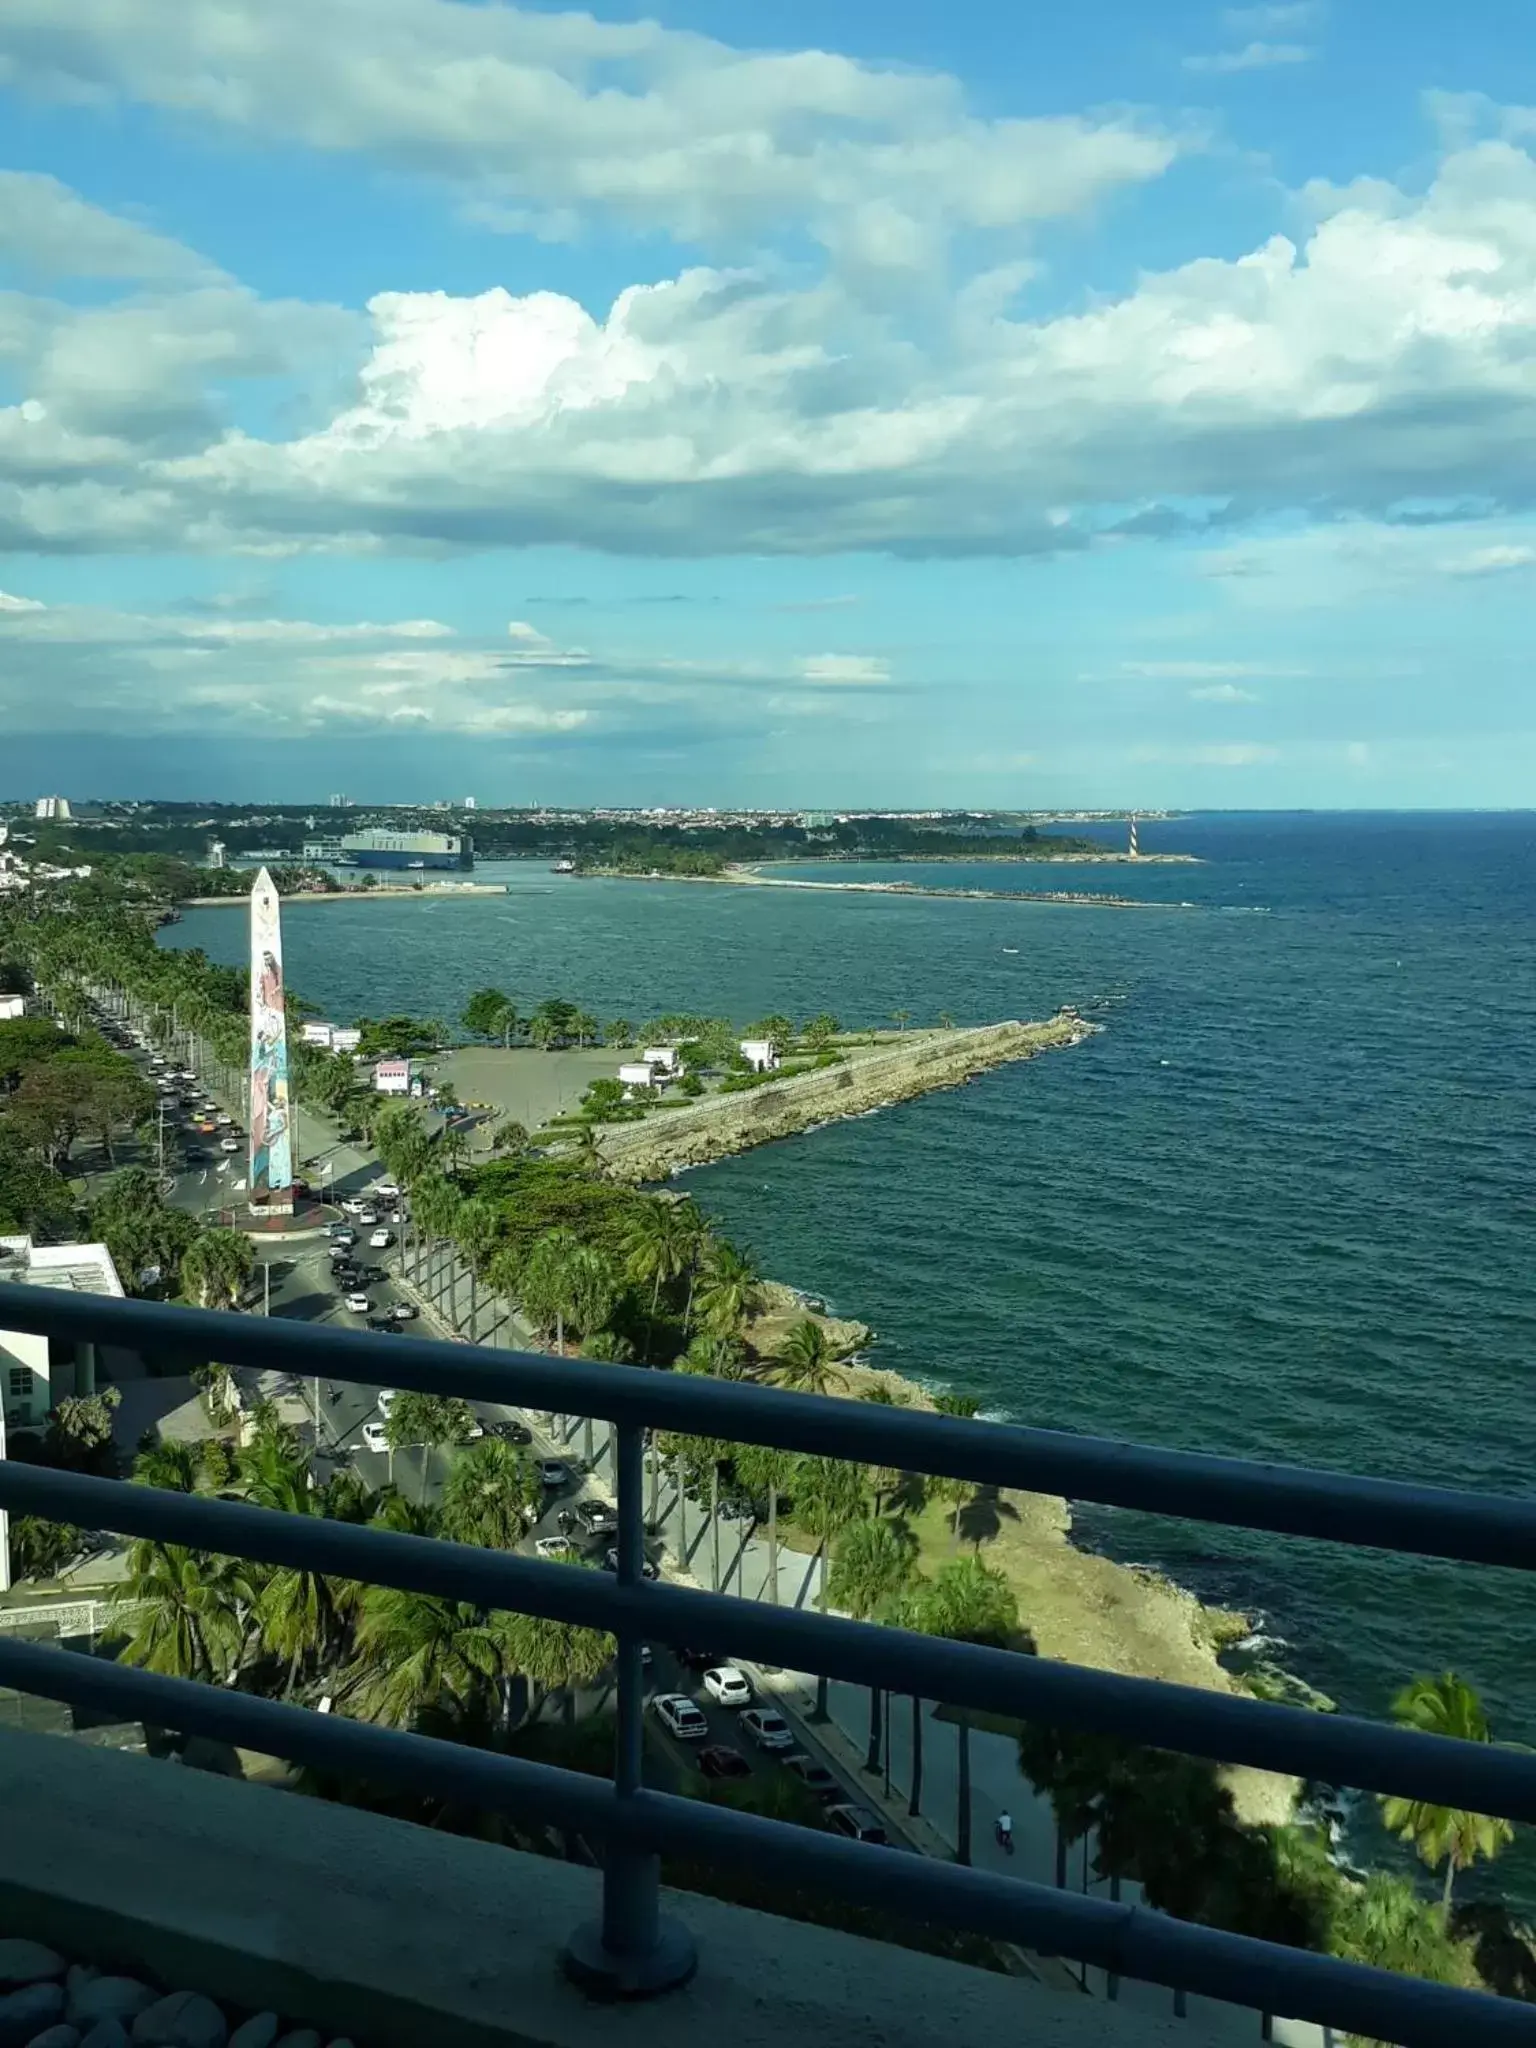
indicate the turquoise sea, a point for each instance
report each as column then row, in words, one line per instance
column 1283, row 1207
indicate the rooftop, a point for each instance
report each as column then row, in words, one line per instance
column 81, row 1268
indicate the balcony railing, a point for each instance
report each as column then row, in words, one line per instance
column 632, row 1950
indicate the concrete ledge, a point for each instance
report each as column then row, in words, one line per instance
column 402, row 1938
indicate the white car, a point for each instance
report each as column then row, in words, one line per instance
column 368, row 1218
column 229, row 1144
column 680, row 1717
column 374, row 1438
column 385, row 1191
column 768, row 1730
column 359, row 1304
column 387, row 1399
column 380, row 1240
column 553, row 1549
column 351, row 1206
column 728, row 1687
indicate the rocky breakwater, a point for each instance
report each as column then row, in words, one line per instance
column 870, row 1077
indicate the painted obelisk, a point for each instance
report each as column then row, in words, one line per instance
column 271, row 1171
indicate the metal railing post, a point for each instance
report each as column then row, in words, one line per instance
column 631, row 1952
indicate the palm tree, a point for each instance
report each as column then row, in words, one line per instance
column 476, row 1228
column 720, row 1358
column 829, row 1494
column 660, row 1245
column 300, row 1613
column 872, row 1569
column 805, row 1360
column 435, row 1208
column 216, row 1266
column 765, row 1471
column 958, row 1493
column 168, row 1464
column 1444, row 1834
column 969, row 1602
column 415, row 1652
column 487, row 1495
column 557, row 1656
column 730, row 1289
column 899, row 1018
column 190, row 1612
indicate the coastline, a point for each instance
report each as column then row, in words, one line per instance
column 384, row 891
column 751, row 878
column 1082, row 1607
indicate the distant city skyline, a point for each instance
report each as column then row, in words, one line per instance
column 1125, row 410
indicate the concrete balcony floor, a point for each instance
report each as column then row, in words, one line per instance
column 398, row 1937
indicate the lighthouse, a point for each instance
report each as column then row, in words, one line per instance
column 1133, row 849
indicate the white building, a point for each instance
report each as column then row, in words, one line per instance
column 52, row 807
column 392, row 1077
column 664, row 1058
column 38, row 1372
column 345, row 1038
column 314, row 1033
column 12, row 1006
column 760, row 1054
column 638, row 1074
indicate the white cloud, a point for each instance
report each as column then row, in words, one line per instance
column 47, row 228
column 1389, row 355
column 1254, row 56
column 8, row 603
column 543, row 119
column 838, row 670
column 1223, row 693
column 1495, row 560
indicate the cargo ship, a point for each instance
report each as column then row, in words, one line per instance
column 385, row 848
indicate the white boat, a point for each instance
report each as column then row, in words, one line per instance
column 415, row 864
column 564, row 867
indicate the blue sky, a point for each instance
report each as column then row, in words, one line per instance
column 1124, row 405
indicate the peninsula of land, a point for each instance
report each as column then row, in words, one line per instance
column 350, row 893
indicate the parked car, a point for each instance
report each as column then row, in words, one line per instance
column 857, row 1824
column 553, row 1549
column 727, row 1686
column 509, row 1432
column 554, row 1473
column 680, row 1717
column 380, row 1239
column 697, row 1660
column 594, row 1515
column 387, row 1399
column 611, row 1564
column 814, row 1777
column 407, row 1312
column 229, row 1144
column 374, row 1438
column 719, row 1760
column 767, row 1729
column 359, row 1304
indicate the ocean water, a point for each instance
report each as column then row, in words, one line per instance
column 1283, row 1207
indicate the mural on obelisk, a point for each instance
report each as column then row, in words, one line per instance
column 271, row 1181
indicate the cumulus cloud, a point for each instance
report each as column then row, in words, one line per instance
column 544, row 119
column 839, row 670
column 1387, row 356
column 48, row 229
column 1223, row 693
column 11, row 603
column 1255, row 56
